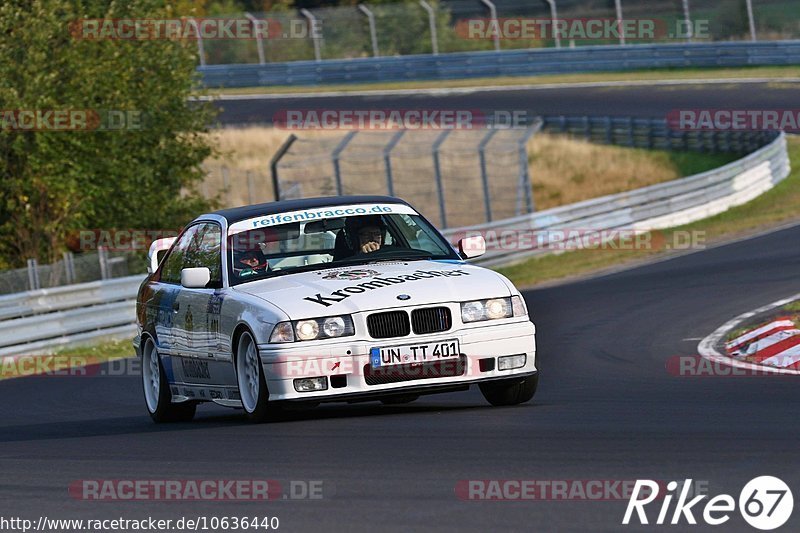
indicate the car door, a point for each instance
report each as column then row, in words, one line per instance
column 198, row 311
column 166, row 290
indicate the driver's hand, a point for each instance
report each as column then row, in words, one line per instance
column 370, row 247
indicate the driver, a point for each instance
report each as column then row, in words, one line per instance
column 249, row 263
column 368, row 233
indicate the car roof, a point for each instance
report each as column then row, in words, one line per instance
column 236, row 214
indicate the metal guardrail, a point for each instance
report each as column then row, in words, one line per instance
column 106, row 308
column 46, row 318
column 529, row 62
column 650, row 208
column 656, row 133
column 29, row 303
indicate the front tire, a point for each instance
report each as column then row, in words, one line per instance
column 250, row 378
column 511, row 391
column 157, row 396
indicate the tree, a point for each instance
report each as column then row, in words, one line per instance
column 140, row 176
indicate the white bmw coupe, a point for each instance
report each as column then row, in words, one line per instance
column 349, row 298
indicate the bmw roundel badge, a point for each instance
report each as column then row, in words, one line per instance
column 403, row 297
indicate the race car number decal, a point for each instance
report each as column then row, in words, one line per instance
column 413, row 353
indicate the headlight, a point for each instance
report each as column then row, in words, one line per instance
column 490, row 309
column 313, row 329
column 471, row 311
column 498, row 308
column 307, row 330
column 334, row 326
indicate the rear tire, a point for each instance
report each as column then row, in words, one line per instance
column 157, row 396
column 250, row 379
column 511, row 391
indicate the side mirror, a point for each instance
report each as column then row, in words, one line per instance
column 195, row 278
column 470, row 247
column 153, row 255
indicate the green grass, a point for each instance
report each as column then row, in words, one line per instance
column 793, row 307
column 105, row 351
column 654, row 74
column 779, row 205
column 691, row 163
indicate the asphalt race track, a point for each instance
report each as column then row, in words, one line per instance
column 606, row 410
column 636, row 101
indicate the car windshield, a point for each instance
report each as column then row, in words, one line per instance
column 328, row 237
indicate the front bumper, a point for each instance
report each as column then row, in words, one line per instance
column 345, row 364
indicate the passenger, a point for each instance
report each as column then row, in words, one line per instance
column 250, row 263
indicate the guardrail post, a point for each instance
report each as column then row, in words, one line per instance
column 493, row 15
column 553, row 18
column 373, row 33
column 387, row 161
column 337, row 172
column 629, row 125
column 609, row 130
column 69, row 267
column 276, row 184
column 751, row 21
column 650, row 125
column 687, row 20
column 200, row 49
column 102, row 256
column 487, row 199
column 618, row 5
column 33, row 275
column 437, row 171
column 432, row 24
column 524, row 175
column 259, row 38
column 587, row 128
column 312, row 25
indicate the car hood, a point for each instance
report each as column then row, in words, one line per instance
column 345, row 290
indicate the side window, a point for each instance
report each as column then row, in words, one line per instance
column 173, row 263
column 205, row 251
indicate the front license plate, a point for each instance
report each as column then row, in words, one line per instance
column 413, row 353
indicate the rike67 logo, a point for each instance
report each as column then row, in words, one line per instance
column 765, row 503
